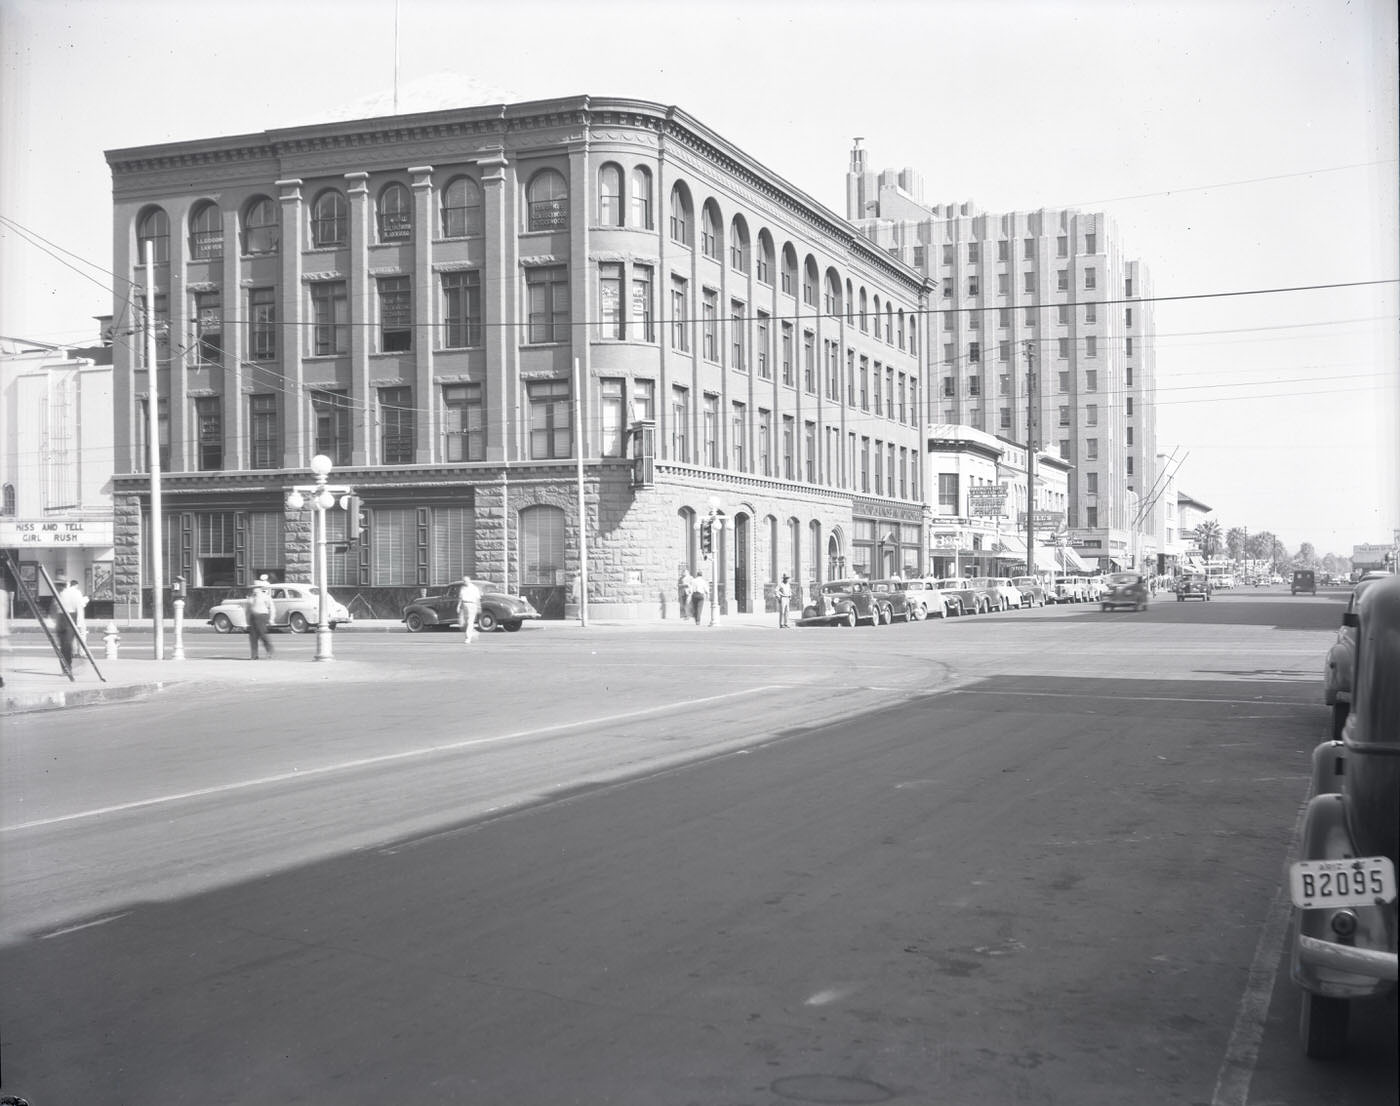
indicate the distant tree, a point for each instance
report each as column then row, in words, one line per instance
column 1278, row 552
column 1330, row 564
column 1307, row 555
column 1235, row 539
column 1208, row 537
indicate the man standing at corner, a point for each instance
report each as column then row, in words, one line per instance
column 784, row 594
column 468, row 607
column 259, row 617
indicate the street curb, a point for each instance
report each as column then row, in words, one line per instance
column 35, row 701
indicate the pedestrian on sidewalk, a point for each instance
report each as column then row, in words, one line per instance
column 699, row 591
column 468, row 607
column 683, row 594
column 784, row 594
column 69, row 611
column 260, row 617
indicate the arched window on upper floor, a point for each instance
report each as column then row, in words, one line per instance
column 889, row 322
column 709, row 231
column 461, row 209
column 154, row 227
column 547, row 200
column 809, row 281
column 206, row 232
column 864, row 318
column 789, row 275
column 763, row 268
column 739, row 244
column 610, row 196
column 262, row 232
column 850, row 305
column 395, row 213
column 9, row 506
column 682, row 228
column 641, row 198
column 330, row 219
column 831, row 303
column 876, row 312
column 901, row 328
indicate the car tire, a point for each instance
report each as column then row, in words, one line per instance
column 486, row 622
column 512, row 627
column 1103, row 607
column 1322, row 1025
column 917, row 613
column 851, row 619
column 1339, row 719
column 222, row 624
column 298, row 622
column 413, row 622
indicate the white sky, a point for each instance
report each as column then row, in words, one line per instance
column 1237, row 146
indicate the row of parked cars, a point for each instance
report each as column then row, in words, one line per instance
column 880, row 602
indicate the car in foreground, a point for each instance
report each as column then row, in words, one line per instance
column 1004, row 595
column 1343, row 884
column 1193, row 587
column 970, row 598
column 1124, row 589
column 295, row 607
column 844, row 603
column 1304, row 580
column 1031, row 589
column 499, row 608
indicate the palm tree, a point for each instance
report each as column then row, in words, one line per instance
column 1235, row 539
column 1208, row 537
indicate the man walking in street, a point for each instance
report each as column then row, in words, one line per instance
column 260, row 617
column 70, row 610
column 468, row 607
column 784, row 594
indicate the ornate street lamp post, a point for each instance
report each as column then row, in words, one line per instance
column 323, row 497
column 710, row 530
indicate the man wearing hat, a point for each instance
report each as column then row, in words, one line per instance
column 259, row 616
column 468, row 607
column 784, row 593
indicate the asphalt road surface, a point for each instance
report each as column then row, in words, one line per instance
column 1033, row 857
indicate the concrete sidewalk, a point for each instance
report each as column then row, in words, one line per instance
column 34, row 682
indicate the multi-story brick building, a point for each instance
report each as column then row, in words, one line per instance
column 1045, row 290
column 476, row 313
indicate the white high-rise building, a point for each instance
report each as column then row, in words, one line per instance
column 1048, row 291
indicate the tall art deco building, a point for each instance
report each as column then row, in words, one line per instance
column 1049, row 291
column 487, row 316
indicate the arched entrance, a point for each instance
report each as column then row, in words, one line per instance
column 743, row 560
column 835, row 560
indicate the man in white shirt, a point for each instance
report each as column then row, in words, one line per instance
column 468, row 607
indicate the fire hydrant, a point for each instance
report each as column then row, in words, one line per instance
column 110, row 636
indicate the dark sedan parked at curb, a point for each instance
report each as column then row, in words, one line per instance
column 1193, row 587
column 1125, row 589
column 1032, row 590
column 903, row 604
column 971, row 599
column 439, row 608
column 844, row 603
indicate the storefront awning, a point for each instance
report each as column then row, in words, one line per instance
column 1053, row 559
column 1011, row 546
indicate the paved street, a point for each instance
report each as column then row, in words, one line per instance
column 1030, row 857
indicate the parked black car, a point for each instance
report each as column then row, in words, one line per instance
column 844, row 603
column 1303, row 580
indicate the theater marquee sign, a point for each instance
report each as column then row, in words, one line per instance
column 47, row 533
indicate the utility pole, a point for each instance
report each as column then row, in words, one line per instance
column 153, row 438
column 1030, row 457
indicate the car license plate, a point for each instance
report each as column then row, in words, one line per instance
column 1356, row 881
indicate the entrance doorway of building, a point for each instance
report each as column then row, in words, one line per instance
column 743, row 550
